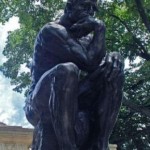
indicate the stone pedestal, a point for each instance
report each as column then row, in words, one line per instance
column 18, row 138
column 113, row 146
column 15, row 138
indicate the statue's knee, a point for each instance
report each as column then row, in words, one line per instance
column 68, row 68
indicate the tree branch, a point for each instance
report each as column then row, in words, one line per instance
column 137, row 108
column 143, row 14
column 142, row 52
column 134, row 86
column 144, row 55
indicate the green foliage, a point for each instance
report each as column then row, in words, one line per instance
column 131, row 131
column 19, row 47
column 127, row 32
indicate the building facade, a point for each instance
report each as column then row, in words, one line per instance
column 18, row 138
column 15, row 137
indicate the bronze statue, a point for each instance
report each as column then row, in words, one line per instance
column 76, row 89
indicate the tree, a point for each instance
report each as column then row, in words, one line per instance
column 128, row 32
column 19, row 47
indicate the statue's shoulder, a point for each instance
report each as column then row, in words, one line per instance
column 55, row 29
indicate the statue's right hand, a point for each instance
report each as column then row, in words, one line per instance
column 89, row 23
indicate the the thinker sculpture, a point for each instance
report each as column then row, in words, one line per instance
column 76, row 89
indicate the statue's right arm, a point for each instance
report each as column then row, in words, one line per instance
column 56, row 40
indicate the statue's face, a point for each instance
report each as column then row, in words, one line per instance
column 81, row 10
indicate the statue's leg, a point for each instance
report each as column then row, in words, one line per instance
column 100, row 95
column 109, row 100
column 37, row 113
column 55, row 96
column 63, row 104
column 44, row 137
column 88, row 101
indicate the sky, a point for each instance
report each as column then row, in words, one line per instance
column 11, row 103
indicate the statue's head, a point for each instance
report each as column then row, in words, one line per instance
column 80, row 8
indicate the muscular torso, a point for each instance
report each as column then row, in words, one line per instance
column 53, row 46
